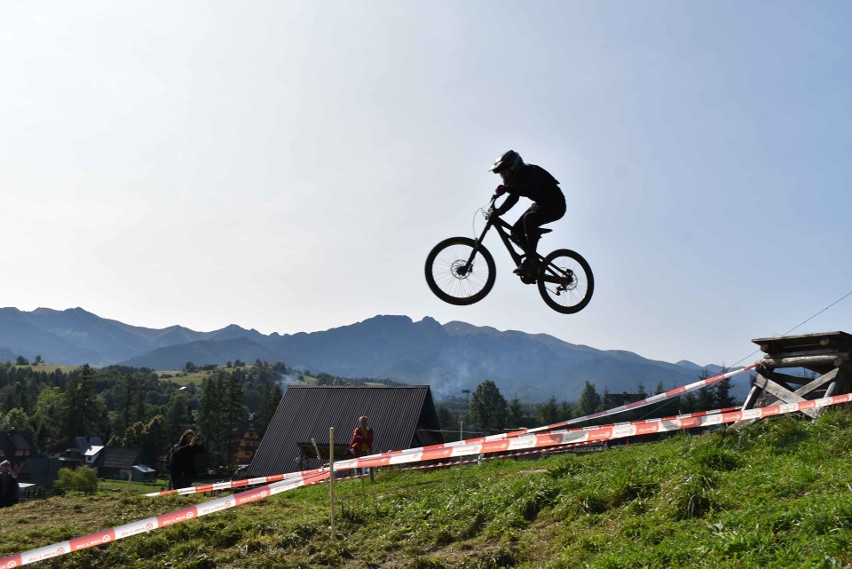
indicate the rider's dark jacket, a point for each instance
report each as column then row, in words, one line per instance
column 535, row 183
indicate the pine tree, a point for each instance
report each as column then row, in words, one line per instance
column 548, row 412
column 724, row 398
column 488, row 407
column 515, row 417
column 589, row 401
column 83, row 411
column 270, row 398
column 222, row 414
column 177, row 417
column 130, row 400
column 211, row 417
column 236, row 413
column 687, row 403
column 48, row 416
column 705, row 400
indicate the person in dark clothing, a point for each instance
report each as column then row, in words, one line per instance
column 182, row 470
column 361, row 443
column 535, row 183
column 9, row 488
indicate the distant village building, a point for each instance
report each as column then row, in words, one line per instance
column 114, row 462
column 143, row 473
column 83, row 451
column 248, row 446
column 401, row 417
column 16, row 447
column 118, row 462
column 31, row 469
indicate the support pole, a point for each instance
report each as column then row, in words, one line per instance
column 331, row 476
column 461, row 436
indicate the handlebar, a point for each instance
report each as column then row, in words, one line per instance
column 491, row 206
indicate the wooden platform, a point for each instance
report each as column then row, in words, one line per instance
column 826, row 356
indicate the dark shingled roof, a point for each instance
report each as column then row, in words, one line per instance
column 119, row 457
column 401, row 417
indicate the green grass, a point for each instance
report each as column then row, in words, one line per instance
column 778, row 494
column 132, row 487
column 46, row 367
column 181, row 377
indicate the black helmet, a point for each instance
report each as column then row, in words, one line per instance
column 510, row 160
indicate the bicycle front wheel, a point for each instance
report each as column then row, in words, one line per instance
column 565, row 281
column 459, row 272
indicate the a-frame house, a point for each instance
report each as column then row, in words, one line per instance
column 401, row 417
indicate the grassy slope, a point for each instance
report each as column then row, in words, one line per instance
column 776, row 495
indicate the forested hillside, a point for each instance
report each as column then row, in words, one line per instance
column 132, row 407
column 138, row 407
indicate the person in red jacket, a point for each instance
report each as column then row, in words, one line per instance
column 362, row 441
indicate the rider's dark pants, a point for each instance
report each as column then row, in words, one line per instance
column 526, row 229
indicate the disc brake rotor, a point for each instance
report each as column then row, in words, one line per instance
column 459, row 270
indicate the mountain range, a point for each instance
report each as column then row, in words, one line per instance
column 450, row 357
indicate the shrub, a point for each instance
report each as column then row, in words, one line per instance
column 82, row 479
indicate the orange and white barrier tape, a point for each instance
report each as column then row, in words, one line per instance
column 441, row 450
column 342, row 465
column 593, row 434
column 527, row 441
column 666, row 395
column 150, row 524
column 228, row 485
column 670, row 394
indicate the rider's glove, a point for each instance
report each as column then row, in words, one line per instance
column 501, row 189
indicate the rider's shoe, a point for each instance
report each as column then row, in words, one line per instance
column 529, row 265
column 527, row 270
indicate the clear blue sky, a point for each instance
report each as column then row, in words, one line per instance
column 287, row 166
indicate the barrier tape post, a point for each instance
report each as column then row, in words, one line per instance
column 331, row 477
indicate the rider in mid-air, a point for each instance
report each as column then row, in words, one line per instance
column 535, row 183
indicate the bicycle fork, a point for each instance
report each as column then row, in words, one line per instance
column 463, row 270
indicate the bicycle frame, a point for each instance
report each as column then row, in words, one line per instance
column 504, row 230
column 461, row 270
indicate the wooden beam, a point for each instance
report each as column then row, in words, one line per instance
column 834, row 360
column 785, row 379
column 752, row 396
column 817, row 383
column 783, row 394
column 749, row 402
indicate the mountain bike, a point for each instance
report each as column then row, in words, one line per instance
column 461, row 271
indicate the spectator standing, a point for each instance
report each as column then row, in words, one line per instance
column 362, row 441
column 9, row 488
column 182, row 469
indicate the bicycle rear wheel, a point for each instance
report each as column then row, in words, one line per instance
column 459, row 272
column 565, row 281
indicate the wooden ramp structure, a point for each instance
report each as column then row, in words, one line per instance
column 826, row 356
